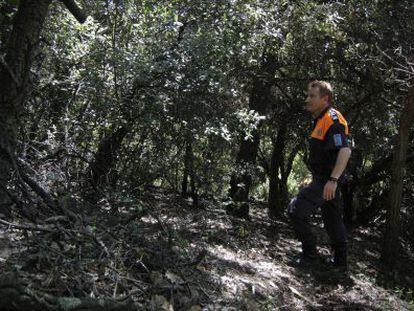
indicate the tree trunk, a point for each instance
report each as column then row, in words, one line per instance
column 105, row 160
column 378, row 203
column 350, row 189
column 106, row 156
column 189, row 174
column 186, row 171
column 240, row 184
column 260, row 98
column 193, row 192
column 347, row 191
column 391, row 244
column 14, row 76
column 277, row 196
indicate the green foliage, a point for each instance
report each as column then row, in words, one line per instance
column 406, row 294
column 178, row 72
column 299, row 175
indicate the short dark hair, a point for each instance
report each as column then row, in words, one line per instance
column 325, row 88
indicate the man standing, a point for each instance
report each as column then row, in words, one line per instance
column 329, row 155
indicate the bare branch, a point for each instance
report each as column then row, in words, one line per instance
column 33, row 227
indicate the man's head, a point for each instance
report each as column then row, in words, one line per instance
column 319, row 97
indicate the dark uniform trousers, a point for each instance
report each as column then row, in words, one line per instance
column 304, row 205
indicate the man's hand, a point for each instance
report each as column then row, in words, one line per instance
column 329, row 190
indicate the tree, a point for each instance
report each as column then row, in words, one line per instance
column 259, row 101
column 391, row 245
column 14, row 78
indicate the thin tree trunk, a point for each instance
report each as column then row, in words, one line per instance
column 378, row 203
column 193, row 192
column 106, row 156
column 240, row 183
column 189, row 175
column 349, row 189
column 260, row 99
column 186, row 171
column 348, row 197
column 276, row 200
column 391, row 244
column 193, row 188
column 14, row 76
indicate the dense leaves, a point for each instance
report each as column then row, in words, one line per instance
column 203, row 98
column 122, row 95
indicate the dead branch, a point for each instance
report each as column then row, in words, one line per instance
column 14, row 295
column 33, row 227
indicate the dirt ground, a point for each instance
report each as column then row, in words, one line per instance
column 178, row 257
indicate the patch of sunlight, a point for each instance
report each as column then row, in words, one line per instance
column 149, row 220
column 268, row 269
column 218, row 225
column 264, row 269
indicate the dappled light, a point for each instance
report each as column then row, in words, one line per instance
column 206, row 155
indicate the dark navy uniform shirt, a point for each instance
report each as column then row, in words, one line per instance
column 329, row 134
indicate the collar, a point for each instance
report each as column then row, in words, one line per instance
column 323, row 113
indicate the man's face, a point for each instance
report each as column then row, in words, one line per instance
column 315, row 103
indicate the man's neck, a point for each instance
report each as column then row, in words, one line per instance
column 318, row 113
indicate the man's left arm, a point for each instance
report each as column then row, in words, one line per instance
column 341, row 161
column 336, row 140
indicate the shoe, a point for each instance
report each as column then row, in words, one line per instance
column 304, row 261
column 337, row 267
column 340, row 268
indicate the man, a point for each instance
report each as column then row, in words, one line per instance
column 329, row 155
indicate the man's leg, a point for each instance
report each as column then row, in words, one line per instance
column 333, row 221
column 300, row 210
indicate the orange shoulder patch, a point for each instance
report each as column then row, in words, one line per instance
column 322, row 127
column 343, row 122
column 324, row 123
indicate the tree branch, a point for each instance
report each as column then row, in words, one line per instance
column 75, row 10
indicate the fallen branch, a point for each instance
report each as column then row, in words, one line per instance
column 25, row 227
column 39, row 190
column 16, row 296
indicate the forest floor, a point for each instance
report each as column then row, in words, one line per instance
column 158, row 252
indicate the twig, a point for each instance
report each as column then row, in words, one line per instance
column 136, row 282
column 26, row 227
column 204, row 292
column 11, row 73
column 116, row 287
column 198, row 259
column 101, row 243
